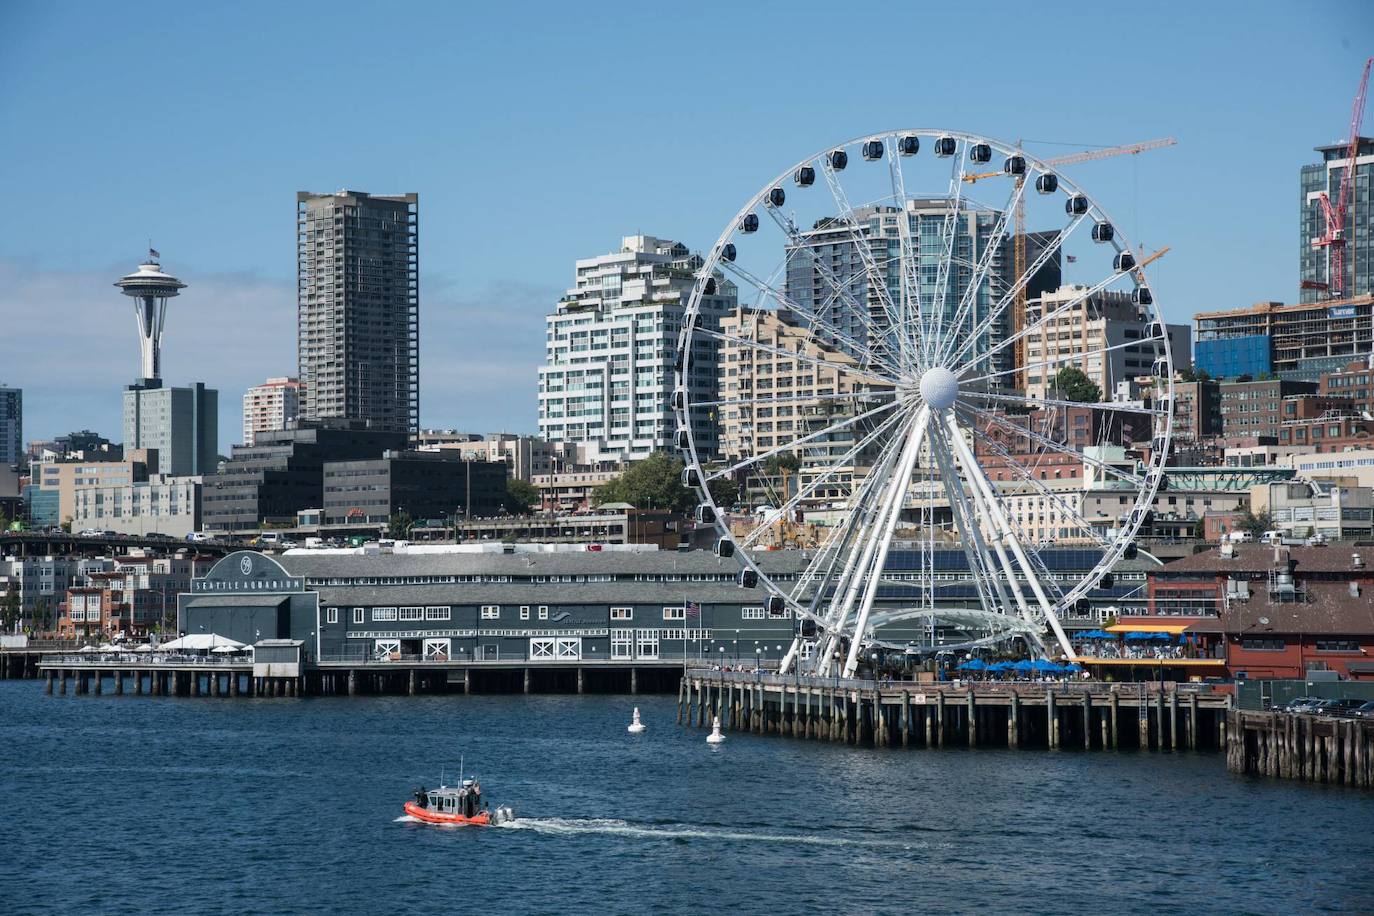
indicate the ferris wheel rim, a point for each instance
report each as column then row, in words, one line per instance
column 1112, row 550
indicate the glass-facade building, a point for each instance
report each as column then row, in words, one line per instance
column 1228, row 357
column 1314, row 262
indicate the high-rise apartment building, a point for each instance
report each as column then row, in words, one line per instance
column 11, row 426
column 608, row 377
column 1314, row 261
column 358, row 308
column 275, row 404
column 827, row 257
column 1096, row 335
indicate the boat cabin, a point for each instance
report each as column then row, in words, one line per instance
column 464, row 801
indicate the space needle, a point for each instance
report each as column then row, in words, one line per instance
column 150, row 288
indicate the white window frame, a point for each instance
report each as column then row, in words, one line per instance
column 331, row 615
column 751, row 613
column 384, row 614
column 358, row 613
column 411, row 612
column 675, row 613
column 491, row 612
column 383, row 648
column 524, row 612
column 646, row 644
column 543, row 648
column 438, row 650
column 568, row 648
column 622, row 613
column 543, row 612
column 438, row 613
column 622, row 643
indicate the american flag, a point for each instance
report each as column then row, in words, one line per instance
column 154, row 253
column 693, row 609
column 1072, row 259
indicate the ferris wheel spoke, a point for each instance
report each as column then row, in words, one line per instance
column 805, row 491
column 910, row 275
column 1108, row 406
column 954, row 205
column 1066, row 358
column 773, row 350
column 1062, row 447
column 1046, row 317
column 969, row 297
column 995, row 314
column 798, row 398
column 791, row 445
column 819, row 328
column 851, row 225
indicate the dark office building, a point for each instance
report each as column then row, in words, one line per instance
column 424, row 485
column 1256, row 408
column 282, row 472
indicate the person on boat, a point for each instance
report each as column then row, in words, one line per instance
column 422, row 797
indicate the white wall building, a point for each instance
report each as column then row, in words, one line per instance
column 275, row 404
column 161, row 504
column 608, row 377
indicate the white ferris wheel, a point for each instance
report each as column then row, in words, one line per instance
column 890, row 386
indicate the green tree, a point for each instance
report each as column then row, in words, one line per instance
column 1073, row 384
column 42, row 615
column 67, row 524
column 1202, row 375
column 399, row 525
column 10, row 608
column 783, row 461
column 654, row 482
column 521, row 495
column 724, row 492
column 1255, row 524
column 1186, row 374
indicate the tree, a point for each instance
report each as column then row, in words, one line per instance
column 1073, row 384
column 399, row 525
column 10, row 608
column 651, row 483
column 724, row 493
column 1255, row 524
column 783, row 461
column 521, row 495
column 1186, row 374
column 67, row 524
column 42, row 615
column 1202, row 375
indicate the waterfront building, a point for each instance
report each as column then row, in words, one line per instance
column 1255, row 408
column 161, row 504
column 180, row 424
column 132, row 598
column 608, row 376
column 41, row 582
column 612, row 523
column 1335, row 509
column 422, row 485
column 1095, row 336
column 572, row 488
column 358, row 307
column 1314, row 264
column 275, row 404
column 1291, row 341
column 283, row 472
column 11, row 426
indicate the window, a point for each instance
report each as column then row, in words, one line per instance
column 622, row 643
column 622, row 613
column 524, row 612
column 437, row 613
column 331, row 615
column 543, row 612
column 751, row 613
column 383, row 613
column 1262, row 645
column 491, row 612
column 1338, row 645
column 673, row 613
column 357, row 615
column 412, row 613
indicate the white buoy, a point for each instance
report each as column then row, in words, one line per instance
column 637, row 726
column 715, row 737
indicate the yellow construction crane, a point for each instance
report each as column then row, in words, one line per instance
column 1019, row 231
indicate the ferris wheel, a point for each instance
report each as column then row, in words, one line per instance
column 892, row 396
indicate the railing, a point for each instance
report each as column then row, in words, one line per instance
column 1061, row 688
column 144, row 659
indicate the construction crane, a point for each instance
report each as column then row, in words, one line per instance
column 1333, row 239
column 1019, row 232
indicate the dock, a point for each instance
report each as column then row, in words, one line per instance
column 1307, row 748
column 1090, row 715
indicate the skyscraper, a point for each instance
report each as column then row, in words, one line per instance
column 607, row 380
column 358, row 308
column 1314, row 262
column 11, row 426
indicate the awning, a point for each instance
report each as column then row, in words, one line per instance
column 1174, row 628
column 238, row 601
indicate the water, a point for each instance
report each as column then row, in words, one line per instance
column 129, row 805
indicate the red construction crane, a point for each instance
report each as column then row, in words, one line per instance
column 1333, row 239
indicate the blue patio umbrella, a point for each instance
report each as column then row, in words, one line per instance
column 976, row 664
column 999, row 666
column 1135, row 634
column 1073, row 667
column 1041, row 664
column 1023, row 665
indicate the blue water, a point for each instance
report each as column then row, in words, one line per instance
column 130, row 805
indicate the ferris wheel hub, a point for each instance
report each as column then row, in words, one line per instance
column 939, row 388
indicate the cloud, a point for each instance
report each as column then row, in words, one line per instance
column 68, row 339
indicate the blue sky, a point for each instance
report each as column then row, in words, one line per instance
column 540, row 133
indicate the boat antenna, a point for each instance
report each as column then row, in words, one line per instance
column 460, row 769
column 441, row 776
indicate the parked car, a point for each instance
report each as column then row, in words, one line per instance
column 1339, row 708
column 1306, row 705
column 1363, row 712
column 198, row 536
column 90, row 533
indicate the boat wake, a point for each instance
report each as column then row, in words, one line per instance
column 559, row 826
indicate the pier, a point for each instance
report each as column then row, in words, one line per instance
column 1053, row 716
column 1308, row 748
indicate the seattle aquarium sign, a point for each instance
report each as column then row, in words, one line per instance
column 247, row 572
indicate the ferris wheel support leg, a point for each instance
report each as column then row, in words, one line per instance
column 981, row 482
column 853, row 576
column 889, row 526
column 969, row 532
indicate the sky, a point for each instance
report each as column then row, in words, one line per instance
column 540, row 133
